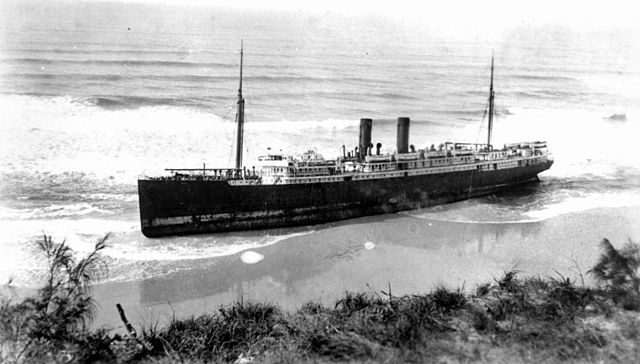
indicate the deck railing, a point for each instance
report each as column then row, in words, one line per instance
column 226, row 174
column 214, row 173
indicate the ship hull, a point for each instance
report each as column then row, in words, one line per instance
column 183, row 207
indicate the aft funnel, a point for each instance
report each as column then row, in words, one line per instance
column 365, row 137
column 403, row 135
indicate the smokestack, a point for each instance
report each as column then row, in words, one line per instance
column 365, row 136
column 403, row 135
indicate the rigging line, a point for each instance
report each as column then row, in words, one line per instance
column 228, row 111
column 233, row 143
column 229, row 161
column 247, row 148
column 482, row 122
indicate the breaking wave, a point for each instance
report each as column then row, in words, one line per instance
column 190, row 248
column 393, row 96
column 585, row 203
column 133, row 102
column 125, row 63
column 542, row 77
column 60, row 186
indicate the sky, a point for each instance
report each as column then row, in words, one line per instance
column 488, row 14
column 490, row 19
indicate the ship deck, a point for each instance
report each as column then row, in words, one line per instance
column 393, row 170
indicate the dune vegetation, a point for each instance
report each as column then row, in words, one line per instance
column 511, row 319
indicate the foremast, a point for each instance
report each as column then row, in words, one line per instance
column 240, row 116
column 491, row 97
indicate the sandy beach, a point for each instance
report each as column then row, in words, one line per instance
column 407, row 253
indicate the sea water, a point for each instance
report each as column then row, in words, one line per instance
column 94, row 96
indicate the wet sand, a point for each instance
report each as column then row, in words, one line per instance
column 409, row 254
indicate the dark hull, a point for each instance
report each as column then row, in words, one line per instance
column 182, row 207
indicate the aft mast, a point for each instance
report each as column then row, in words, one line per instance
column 240, row 116
column 491, row 97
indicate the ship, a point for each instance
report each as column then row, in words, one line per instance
column 286, row 191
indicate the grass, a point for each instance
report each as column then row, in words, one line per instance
column 512, row 319
column 240, row 328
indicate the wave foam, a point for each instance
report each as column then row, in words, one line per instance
column 54, row 212
column 463, row 220
column 521, row 210
column 193, row 248
column 139, row 260
column 590, row 202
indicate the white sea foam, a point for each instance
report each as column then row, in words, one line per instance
column 135, row 260
column 251, row 257
column 21, row 260
column 125, row 246
column 53, row 212
column 122, row 144
column 581, row 141
column 465, row 220
column 585, row 203
column 69, row 113
column 484, row 214
column 192, row 248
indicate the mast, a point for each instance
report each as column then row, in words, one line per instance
column 491, row 97
column 240, row 116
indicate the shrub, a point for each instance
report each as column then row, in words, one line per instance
column 509, row 282
column 617, row 270
column 353, row 302
column 448, row 300
column 483, row 289
column 312, row 308
column 55, row 319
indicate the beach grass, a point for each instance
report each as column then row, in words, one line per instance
column 513, row 319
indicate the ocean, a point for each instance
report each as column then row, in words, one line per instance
column 95, row 95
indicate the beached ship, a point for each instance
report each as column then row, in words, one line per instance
column 284, row 191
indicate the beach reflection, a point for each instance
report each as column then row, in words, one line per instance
column 408, row 254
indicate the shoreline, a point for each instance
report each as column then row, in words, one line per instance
column 334, row 259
